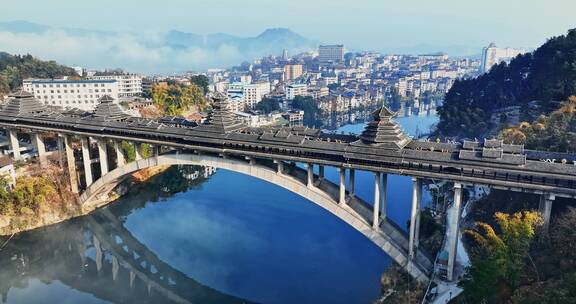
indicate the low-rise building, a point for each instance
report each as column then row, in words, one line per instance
column 293, row 90
column 294, row 118
column 81, row 94
column 129, row 85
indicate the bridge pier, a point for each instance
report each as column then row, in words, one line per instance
column 138, row 151
column 38, row 143
column 352, row 182
column 545, row 208
column 132, row 277
column 279, row 166
column 320, row 172
column 384, row 209
column 71, row 163
column 60, row 144
column 120, row 159
column 310, row 175
column 376, row 213
column 414, row 215
column 115, row 267
column 342, row 198
column 103, row 156
column 453, row 233
column 99, row 255
column 14, row 144
column 87, row 161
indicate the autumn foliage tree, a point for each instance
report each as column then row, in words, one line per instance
column 556, row 132
column 27, row 196
column 499, row 259
column 176, row 99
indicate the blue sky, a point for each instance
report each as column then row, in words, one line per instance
column 369, row 24
column 460, row 27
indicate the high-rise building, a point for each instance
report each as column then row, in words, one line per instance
column 292, row 71
column 251, row 94
column 493, row 55
column 81, row 94
column 285, row 54
column 331, row 53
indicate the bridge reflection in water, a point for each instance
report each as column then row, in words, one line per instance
column 96, row 254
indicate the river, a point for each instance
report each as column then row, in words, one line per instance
column 212, row 237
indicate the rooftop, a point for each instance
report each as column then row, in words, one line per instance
column 69, row 81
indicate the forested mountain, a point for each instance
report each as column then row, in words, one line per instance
column 547, row 75
column 15, row 68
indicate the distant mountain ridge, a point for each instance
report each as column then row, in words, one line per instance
column 274, row 40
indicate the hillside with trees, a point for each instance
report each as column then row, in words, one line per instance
column 554, row 132
column 15, row 68
column 546, row 75
column 312, row 114
column 177, row 99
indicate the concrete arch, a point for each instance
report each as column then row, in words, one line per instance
column 91, row 200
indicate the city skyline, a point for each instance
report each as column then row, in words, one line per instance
column 146, row 39
column 448, row 22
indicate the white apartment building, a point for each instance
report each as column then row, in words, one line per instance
column 250, row 93
column 81, row 94
column 129, row 85
column 293, row 90
column 331, row 53
column 493, row 55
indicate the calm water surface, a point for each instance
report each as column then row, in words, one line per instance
column 188, row 235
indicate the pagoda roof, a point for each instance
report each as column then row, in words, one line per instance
column 108, row 110
column 23, row 103
column 383, row 131
column 221, row 119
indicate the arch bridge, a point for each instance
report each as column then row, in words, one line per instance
column 96, row 162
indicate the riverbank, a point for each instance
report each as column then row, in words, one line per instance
column 42, row 197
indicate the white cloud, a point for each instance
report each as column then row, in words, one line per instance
column 137, row 54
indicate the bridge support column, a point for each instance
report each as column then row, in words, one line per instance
column 38, row 143
column 14, row 144
column 99, row 254
column 138, row 151
column 320, row 172
column 71, row 164
column 352, row 182
column 156, row 150
column 120, row 159
column 87, row 161
column 453, row 233
column 279, row 166
column 342, row 200
column 310, row 175
column 376, row 213
column 103, row 156
column 545, row 208
column 115, row 268
column 414, row 214
column 132, row 277
column 60, row 144
column 384, row 200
